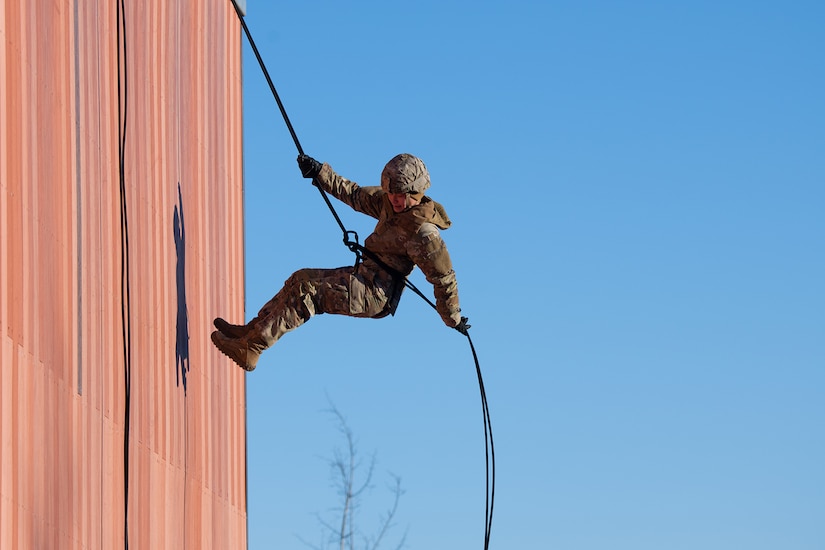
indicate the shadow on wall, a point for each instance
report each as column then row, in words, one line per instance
column 182, row 331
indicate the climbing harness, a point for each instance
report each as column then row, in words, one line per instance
column 352, row 243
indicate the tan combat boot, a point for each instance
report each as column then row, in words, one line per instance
column 245, row 352
column 228, row 329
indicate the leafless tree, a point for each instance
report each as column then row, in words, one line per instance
column 352, row 479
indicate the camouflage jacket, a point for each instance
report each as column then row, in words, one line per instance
column 403, row 240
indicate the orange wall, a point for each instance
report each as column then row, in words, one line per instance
column 63, row 398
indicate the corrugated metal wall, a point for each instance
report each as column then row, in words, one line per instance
column 65, row 288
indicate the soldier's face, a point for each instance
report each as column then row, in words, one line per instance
column 402, row 201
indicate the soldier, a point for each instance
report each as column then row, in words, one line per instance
column 406, row 235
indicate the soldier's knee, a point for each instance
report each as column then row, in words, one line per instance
column 298, row 278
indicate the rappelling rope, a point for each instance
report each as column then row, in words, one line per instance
column 359, row 250
column 125, row 292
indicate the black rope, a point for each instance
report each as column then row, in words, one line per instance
column 360, row 250
column 268, row 79
column 125, row 291
column 489, row 452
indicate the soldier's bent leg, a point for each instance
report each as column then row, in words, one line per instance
column 308, row 292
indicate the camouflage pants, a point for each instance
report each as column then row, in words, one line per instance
column 357, row 292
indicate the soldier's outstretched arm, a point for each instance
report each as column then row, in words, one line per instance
column 429, row 252
column 360, row 199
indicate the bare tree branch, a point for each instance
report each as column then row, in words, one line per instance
column 386, row 520
column 352, row 479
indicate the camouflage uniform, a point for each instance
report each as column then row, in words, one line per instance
column 400, row 240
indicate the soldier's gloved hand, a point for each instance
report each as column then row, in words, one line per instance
column 463, row 326
column 309, row 166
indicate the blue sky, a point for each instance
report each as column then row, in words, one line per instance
column 638, row 198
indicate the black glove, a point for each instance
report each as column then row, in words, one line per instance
column 463, row 327
column 309, row 166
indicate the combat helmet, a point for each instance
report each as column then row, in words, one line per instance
column 405, row 173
